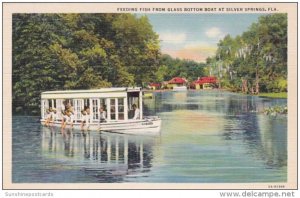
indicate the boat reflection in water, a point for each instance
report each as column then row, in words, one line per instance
column 106, row 156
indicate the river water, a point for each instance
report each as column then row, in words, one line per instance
column 206, row 137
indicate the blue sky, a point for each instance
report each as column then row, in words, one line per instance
column 195, row 36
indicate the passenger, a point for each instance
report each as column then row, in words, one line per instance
column 71, row 115
column 64, row 118
column 83, row 120
column 52, row 116
column 48, row 116
column 63, row 113
column 85, row 117
column 68, row 118
column 102, row 114
column 136, row 112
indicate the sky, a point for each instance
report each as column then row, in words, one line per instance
column 195, row 36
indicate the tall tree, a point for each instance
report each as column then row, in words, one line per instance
column 256, row 60
column 80, row 51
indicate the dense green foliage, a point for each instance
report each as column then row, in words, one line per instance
column 255, row 61
column 80, row 51
column 170, row 67
column 276, row 110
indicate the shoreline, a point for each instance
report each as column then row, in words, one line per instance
column 282, row 95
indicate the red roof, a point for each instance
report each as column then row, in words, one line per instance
column 154, row 84
column 207, row 79
column 177, row 80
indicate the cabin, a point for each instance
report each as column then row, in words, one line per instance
column 154, row 86
column 177, row 82
column 207, row 82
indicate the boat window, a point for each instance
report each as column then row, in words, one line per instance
column 121, row 108
column 45, row 106
column 103, row 104
column 133, row 98
column 86, row 102
column 52, row 103
column 78, row 106
column 68, row 101
column 112, row 109
column 59, row 103
column 95, row 108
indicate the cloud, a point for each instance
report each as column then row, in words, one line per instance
column 197, row 52
column 214, row 32
column 173, row 38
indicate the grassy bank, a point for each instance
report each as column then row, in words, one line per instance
column 274, row 95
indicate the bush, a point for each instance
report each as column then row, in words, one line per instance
column 273, row 111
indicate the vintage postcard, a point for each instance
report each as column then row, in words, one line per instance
column 150, row 96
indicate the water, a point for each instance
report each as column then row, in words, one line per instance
column 206, row 137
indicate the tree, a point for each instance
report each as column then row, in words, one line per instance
column 171, row 67
column 79, row 51
column 256, row 60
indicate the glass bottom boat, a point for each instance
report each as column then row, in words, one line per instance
column 83, row 109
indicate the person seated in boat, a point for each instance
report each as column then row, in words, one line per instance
column 51, row 116
column 70, row 114
column 48, row 116
column 102, row 114
column 68, row 118
column 85, row 117
column 64, row 109
column 136, row 112
column 64, row 117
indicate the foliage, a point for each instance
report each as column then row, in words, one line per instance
column 274, row 95
column 79, row 51
column 255, row 61
column 171, row 67
column 273, row 111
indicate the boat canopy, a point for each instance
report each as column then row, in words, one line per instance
column 92, row 93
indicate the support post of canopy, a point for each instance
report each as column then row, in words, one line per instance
column 141, row 104
column 108, row 109
column 43, row 109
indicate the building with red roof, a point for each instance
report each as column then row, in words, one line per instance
column 154, row 86
column 177, row 82
column 204, row 82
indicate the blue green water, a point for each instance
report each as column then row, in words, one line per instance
column 206, row 137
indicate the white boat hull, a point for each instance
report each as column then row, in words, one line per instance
column 146, row 126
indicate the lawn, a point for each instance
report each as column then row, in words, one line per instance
column 274, row 95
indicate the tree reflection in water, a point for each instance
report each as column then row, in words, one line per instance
column 264, row 136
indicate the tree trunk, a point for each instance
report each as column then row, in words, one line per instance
column 244, row 86
column 257, row 82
